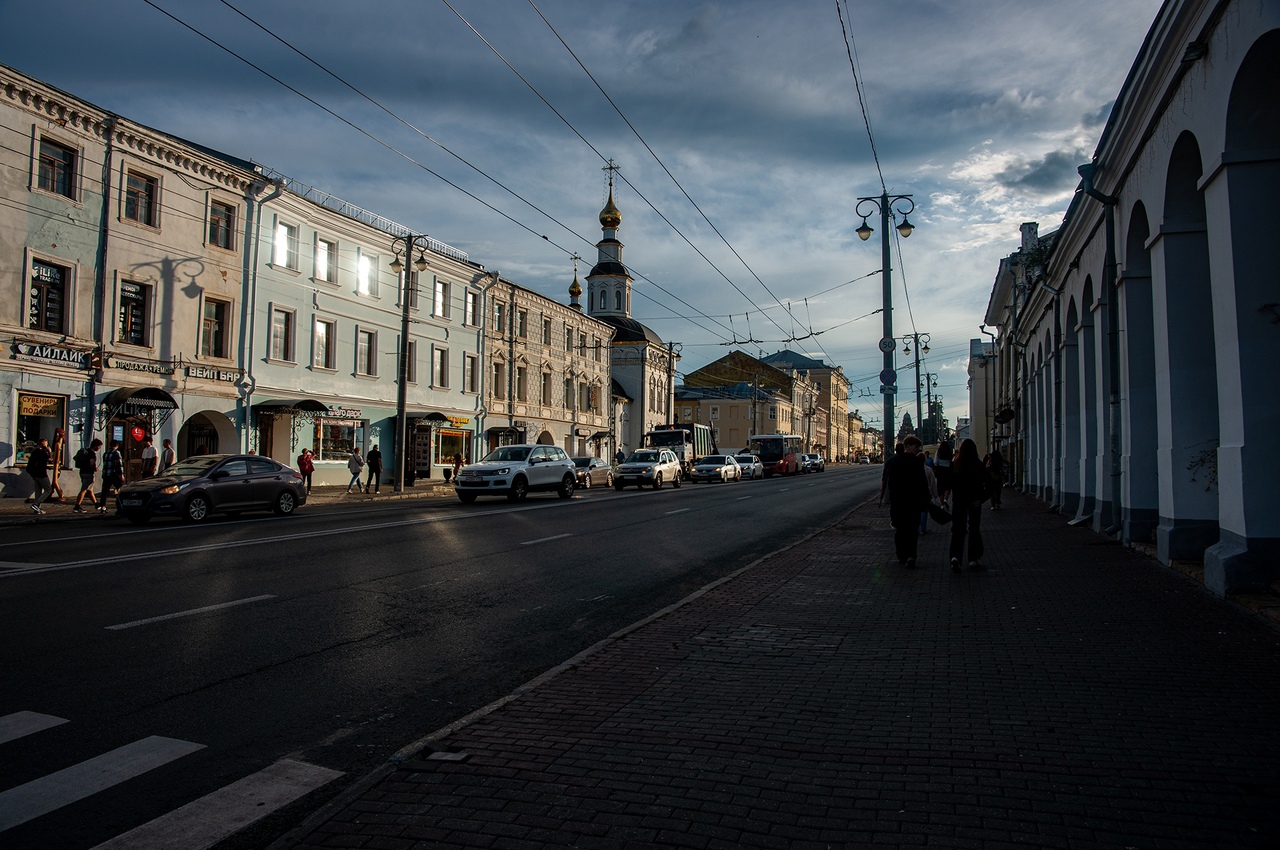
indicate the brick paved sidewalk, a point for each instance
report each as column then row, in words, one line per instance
column 1071, row 694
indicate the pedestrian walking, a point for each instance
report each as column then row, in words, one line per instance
column 355, row 465
column 59, row 457
column 38, row 460
column 457, row 465
column 112, row 474
column 942, row 471
column 150, row 458
column 970, row 487
column 168, row 457
column 621, row 456
column 307, row 465
column 86, row 462
column 373, row 462
column 995, row 467
column 908, row 490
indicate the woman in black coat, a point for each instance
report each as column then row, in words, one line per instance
column 969, row 487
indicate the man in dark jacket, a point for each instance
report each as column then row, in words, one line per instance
column 908, row 490
column 87, row 462
column 112, row 474
column 373, row 462
column 38, row 468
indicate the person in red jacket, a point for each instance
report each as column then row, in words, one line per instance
column 307, row 465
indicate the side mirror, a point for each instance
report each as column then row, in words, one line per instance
column 218, row 475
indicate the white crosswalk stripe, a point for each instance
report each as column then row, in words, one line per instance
column 49, row 793
column 198, row 825
column 205, row 822
column 23, row 723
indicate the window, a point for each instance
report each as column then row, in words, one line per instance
column 412, row 281
column 470, row 373
column 522, row 324
column 441, row 307
column 582, row 344
column 546, row 388
column 715, row 412
column 469, row 315
column 57, row 169
column 324, row 344
column 604, row 300
column 326, row 260
column 39, row 417
column 281, row 335
column 286, row 247
column 215, row 328
column 773, row 411
column 366, row 353
column 499, row 380
column 135, row 299
column 568, row 394
column 546, row 330
column 49, row 291
column 440, row 368
column 222, row 225
column 617, row 300
column 595, row 348
column 687, row 413
column 411, row 368
column 499, row 317
column 522, row 383
column 584, row 398
column 140, row 198
column 337, row 439
column 367, row 274
column 568, row 337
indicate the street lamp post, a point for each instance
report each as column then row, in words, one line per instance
column 402, row 372
column 887, row 205
column 922, row 347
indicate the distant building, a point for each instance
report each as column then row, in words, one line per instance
column 826, row 427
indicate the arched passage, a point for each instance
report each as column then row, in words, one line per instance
column 1090, row 421
column 1186, row 368
column 206, row 433
column 1241, row 201
column 1072, row 448
column 1141, row 513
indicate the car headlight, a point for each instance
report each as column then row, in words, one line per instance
column 506, row 470
column 170, row 490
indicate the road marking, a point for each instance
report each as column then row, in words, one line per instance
column 544, row 539
column 742, row 498
column 203, row 823
column 23, row 723
column 680, row 511
column 52, row 792
column 14, row 565
column 177, row 614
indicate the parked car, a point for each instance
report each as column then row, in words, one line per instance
column 864, row 459
column 751, row 466
column 812, row 463
column 651, row 467
column 720, row 468
column 592, row 471
column 516, row 471
column 206, row 484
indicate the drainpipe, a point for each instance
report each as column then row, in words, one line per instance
column 252, row 225
column 99, row 289
column 1108, row 202
column 482, row 362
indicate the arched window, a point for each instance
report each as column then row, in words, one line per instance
column 604, row 300
column 617, row 300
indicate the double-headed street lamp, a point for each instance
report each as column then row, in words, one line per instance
column 887, row 205
column 403, row 247
column 922, row 347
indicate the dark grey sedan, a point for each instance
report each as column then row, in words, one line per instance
column 199, row 486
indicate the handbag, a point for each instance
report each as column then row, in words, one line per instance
column 939, row 514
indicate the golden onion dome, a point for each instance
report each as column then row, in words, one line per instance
column 575, row 288
column 610, row 217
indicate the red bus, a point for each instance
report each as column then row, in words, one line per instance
column 780, row 453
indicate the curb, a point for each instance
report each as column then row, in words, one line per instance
column 354, row 791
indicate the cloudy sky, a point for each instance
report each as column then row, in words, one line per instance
column 980, row 109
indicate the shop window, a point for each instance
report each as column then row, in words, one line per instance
column 450, row 443
column 337, row 439
column 39, row 417
column 135, row 309
column 48, row 308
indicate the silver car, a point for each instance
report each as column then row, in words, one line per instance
column 716, row 468
column 651, row 467
column 515, row 471
column 751, row 466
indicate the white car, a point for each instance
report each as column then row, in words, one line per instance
column 716, row 468
column 651, row 467
column 515, row 471
column 751, row 466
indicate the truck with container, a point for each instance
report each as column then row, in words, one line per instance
column 689, row 440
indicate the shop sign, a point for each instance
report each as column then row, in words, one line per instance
column 346, row 413
column 50, row 354
column 208, row 373
column 39, row 405
column 152, row 367
column 459, row 421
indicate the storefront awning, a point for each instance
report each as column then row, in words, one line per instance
column 600, row 435
column 435, row 417
column 501, row 429
column 291, row 405
column 151, row 398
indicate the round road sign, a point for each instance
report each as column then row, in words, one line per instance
column 888, row 344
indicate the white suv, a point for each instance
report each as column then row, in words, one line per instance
column 514, row 471
column 648, row 466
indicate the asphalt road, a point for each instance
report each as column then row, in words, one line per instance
column 337, row 636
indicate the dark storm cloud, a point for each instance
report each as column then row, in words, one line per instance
column 1098, row 118
column 1050, row 174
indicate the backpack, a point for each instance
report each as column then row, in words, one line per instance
column 81, row 459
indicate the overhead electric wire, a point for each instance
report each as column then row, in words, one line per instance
column 857, row 85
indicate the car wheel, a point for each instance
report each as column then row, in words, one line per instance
column 197, row 508
column 519, row 489
column 676, row 482
column 586, row 481
column 567, row 487
column 619, row 486
column 285, row 504
column 608, row 479
column 139, row 519
column 657, row 481
column 467, row 498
